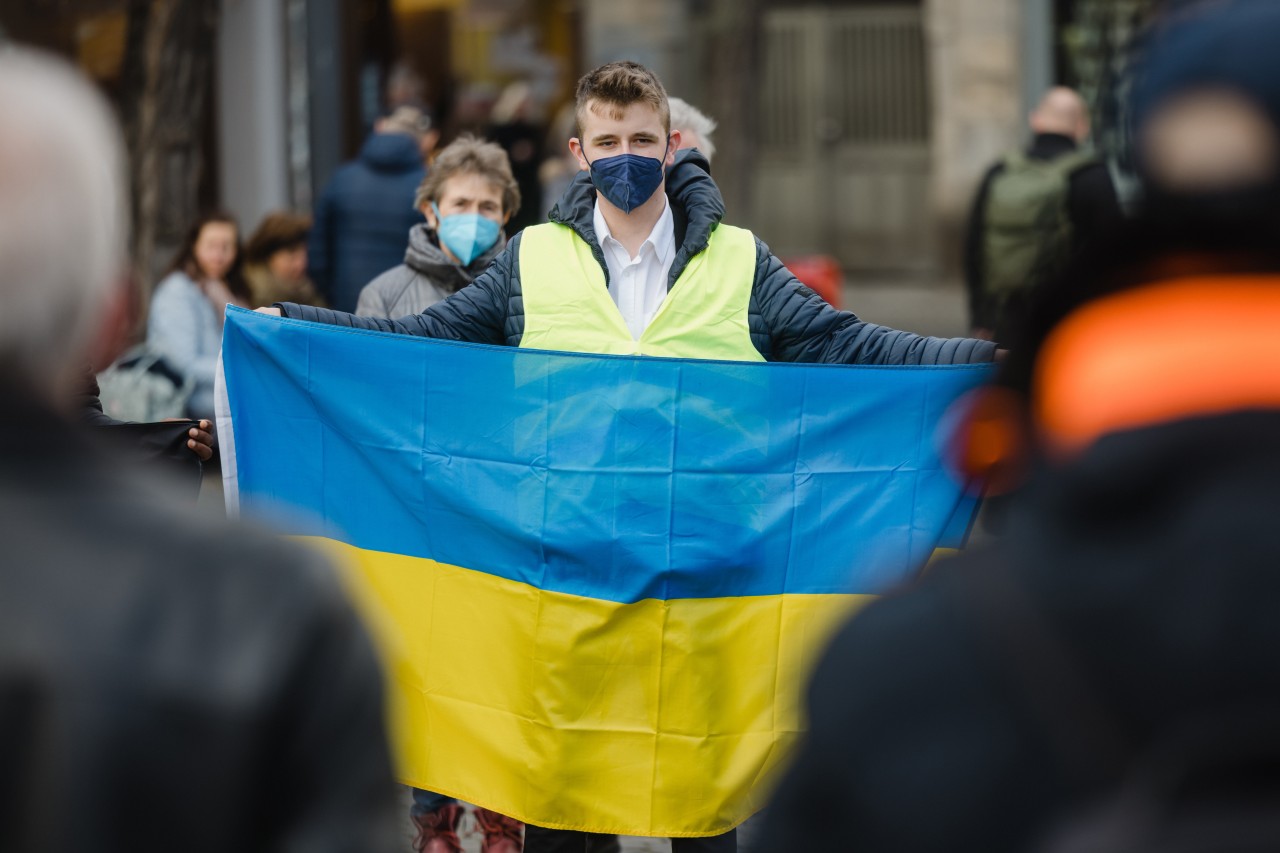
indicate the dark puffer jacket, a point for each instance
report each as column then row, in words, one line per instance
column 363, row 217
column 788, row 321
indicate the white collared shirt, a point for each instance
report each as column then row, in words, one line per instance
column 638, row 285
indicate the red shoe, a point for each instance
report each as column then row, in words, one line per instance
column 438, row 830
column 502, row 834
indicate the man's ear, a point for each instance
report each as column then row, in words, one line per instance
column 430, row 216
column 673, row 145
column 575, row 148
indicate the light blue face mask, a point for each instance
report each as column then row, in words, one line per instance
column 466, row 235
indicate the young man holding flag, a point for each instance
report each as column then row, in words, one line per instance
column 636, row 261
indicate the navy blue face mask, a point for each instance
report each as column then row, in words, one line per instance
column 627, row 180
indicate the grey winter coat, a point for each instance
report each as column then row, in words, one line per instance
column 787, row 321
column 427, row 276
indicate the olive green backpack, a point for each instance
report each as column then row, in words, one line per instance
column 1028, row 227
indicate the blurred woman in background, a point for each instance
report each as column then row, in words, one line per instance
column 189, row 303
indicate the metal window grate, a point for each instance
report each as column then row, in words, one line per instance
column 878, row 94
column 784, row 103
column 856, row 76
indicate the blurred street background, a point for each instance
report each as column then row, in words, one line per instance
column 851, row 131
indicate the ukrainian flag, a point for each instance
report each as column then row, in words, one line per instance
column 607, row 577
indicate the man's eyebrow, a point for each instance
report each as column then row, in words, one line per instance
column 601, row 137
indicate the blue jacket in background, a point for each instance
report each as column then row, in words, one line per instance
column 363, row 217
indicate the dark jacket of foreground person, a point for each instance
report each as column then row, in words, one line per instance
column 170, row 684
column 942, row 721
column 1122, row 634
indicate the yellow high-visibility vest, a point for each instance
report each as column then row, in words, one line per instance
column 567, row 306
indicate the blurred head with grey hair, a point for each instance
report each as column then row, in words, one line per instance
column 694, row 125
column 64, row 220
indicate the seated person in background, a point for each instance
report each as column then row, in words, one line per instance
column 468, row 195
column 189, row 305
column 275, row 261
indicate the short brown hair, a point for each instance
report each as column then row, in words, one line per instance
column 468, row 155
column 276, row 231
column 621, row 84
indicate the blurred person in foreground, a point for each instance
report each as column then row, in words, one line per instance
column 1114, row 662
column 164, row 682
column 275, row 261
column 1033, row 210
column 367, row 207
column 694, row 125
column 467, row 197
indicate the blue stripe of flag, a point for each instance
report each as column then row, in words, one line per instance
column 617, row 478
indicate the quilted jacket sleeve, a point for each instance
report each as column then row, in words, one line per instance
column 801, row 326
column 477, row 313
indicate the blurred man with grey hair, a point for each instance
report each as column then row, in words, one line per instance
column 163, row 682
column 694, row 125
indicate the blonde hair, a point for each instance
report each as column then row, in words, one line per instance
column 469, row 155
